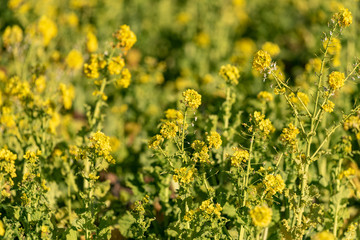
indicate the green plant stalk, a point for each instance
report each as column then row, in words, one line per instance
column 304, row 176
column 266, row 230
column 69, row 202
column 98, row 105
column 227, row 114
column 337, row 201
column 183, row 133
column 246, row 181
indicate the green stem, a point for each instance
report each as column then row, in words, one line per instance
column 266, row 230
column 337, row 200
column 246, row 181
column 98, row 105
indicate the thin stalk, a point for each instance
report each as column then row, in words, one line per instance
column 246, row 181
column 266, row 230
column 98, row 105
column 337, row 201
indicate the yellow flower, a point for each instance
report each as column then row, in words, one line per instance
column 72, row 19
column 274, row 184
column 91, row 43
column 352, row 122
column 184, row 175
column 125, row 79
column 40, row 83
column 101, row 145
column 7, row 165
column 265, row 96
column 74, row 59
column 201, row 151
column 202, row 40
column 239, row 156
column 91, row 69
column 336, row 80
column 314, row 65
column 262, row 61
column 183, row 18
column 344, row 17
column 47, row 29
column 192, row 98
column 125, row 38
column 261, row 216
column 230, row 74
column 263, row 124
column 67, row 95
column 189, row 215
column 2, row 228
column 210, row 208
column 346, row 173
column 329, row 106
column 169, row 129
column 115, row 65
column 334, row 47
column 214, row 140
column 12, row 35
column 324, row 235
column 155, row 141
column 289, row 134
column 271, row 48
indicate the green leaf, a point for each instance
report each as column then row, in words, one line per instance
column 125, row 223
column 71, row 235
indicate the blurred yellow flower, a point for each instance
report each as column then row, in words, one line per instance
column 47, row 29
column 261, row 216
column 74, row 59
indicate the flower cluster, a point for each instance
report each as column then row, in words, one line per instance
column 265, row 96
column 324, row 235
column 192, row 98
column 343, row 17
column 336, row 80
column 201, row 153
column 239, row 156
column 174, row 115
column 74, row 59
column 289, row 134
column 91, row 69
column 184, row 175
column 125, row 38
column 271, row 48
column 329, row 106
column 230, row 73
column 346, row 173
column 124, row 80
column 7, row 170
column 115, row 65
column 12, row 35
column 67, row 95
column 352, row 122
column 47, row 28
column 274, row 184
column 261, row 216
column 300, row 99
column 334, row 48
column 264, row 125
column 100, row 143
column 155, row 141
column 210, row 208
column 169, row 129
column 262, row 61
column 214, row 140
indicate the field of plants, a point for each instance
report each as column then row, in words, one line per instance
column 179, row 119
